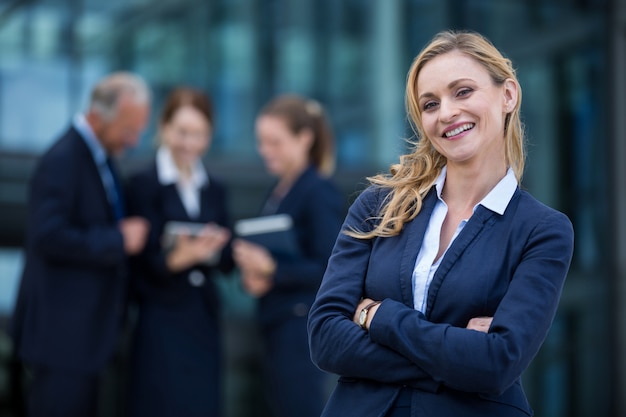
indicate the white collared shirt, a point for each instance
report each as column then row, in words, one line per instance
column 425, row 266
column 188, row 189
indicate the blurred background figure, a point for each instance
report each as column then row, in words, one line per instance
column 73, row 291
column 296, row 144
column 176, row 358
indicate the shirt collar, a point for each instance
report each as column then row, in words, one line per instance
column 168, row 171
column 86, row 132
column 441, row 179
column 498, row 198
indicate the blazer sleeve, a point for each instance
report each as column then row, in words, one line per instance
column 55, row 231
column 337, row 344
column 323, row 214
column 473, row 361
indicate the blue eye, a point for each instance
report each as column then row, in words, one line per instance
column 464, row 91
column 429, row 105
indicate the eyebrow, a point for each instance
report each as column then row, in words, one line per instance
column 450, row 86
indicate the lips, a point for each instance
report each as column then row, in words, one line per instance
column 458, row 130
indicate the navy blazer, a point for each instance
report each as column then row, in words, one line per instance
column 152, row 280
column 511, row 267
column 72, row 294
column 317, row 209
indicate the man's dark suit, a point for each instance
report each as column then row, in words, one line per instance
column 73, row 289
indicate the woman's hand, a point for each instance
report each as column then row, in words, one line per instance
column 190, row 250
column 480, row 324
column 256, row 265
column 256, row 285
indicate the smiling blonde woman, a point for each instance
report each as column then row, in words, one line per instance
column 447, row 276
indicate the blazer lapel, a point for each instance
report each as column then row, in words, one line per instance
column 171, row 198
column 472, row 229
column 294, row 196
column 415, row 231
column 207, row 206
column 91, row 170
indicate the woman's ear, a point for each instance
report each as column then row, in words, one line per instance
column 510, row 95
column 306, row 137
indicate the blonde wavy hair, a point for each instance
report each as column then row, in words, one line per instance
column 410, row 180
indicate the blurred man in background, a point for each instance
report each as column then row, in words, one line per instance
column 72, row 296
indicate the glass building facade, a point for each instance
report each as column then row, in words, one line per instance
column 352, row 56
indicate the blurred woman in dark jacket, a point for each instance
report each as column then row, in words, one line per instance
column 176, row 350
column 296, row 144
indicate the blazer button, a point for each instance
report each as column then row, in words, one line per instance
column 196, row 278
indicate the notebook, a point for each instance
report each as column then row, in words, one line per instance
column 275, row 233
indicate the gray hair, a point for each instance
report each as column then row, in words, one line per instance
column 107, row 93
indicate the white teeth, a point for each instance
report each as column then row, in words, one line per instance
column 466, row 126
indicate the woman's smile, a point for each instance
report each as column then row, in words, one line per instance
column 453, row 131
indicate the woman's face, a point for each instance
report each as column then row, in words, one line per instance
column 462, row 110
column 285, row 153
column 187, row 135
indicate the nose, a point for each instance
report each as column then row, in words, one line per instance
column 448, row 110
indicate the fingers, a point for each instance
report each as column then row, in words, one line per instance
column 214, row 232
column 257, row 267
column 213, row 242
column 240, row 250
column 211, row 239
column 250, row 256
column 245, row 248
column 256, row 285
column 480, row 324
column 134, row 232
